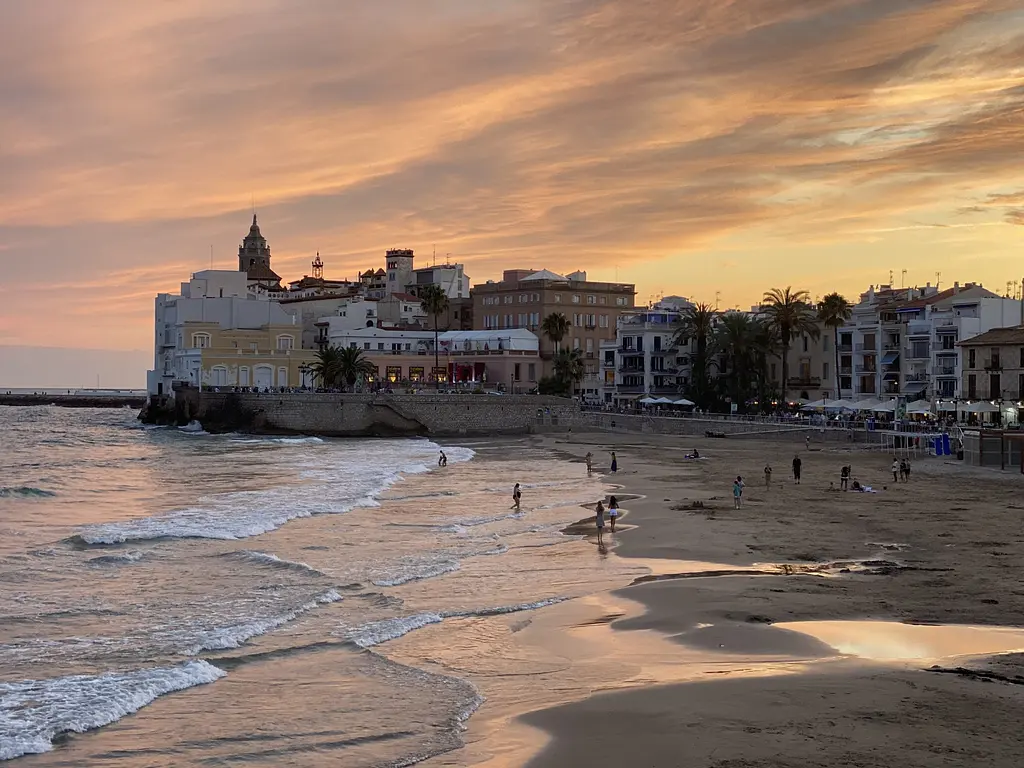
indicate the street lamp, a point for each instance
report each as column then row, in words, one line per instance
column 512, row 382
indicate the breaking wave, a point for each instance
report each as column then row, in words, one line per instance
column 25, row 492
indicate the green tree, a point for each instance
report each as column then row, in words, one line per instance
column 736, row 338
column 698, row 322
column 834, row 312
column 555, row 326
column 325, row 367
column 569, row 369
column 351, row 366
column 434, row 301
column 789, row 313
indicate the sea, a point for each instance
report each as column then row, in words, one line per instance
column 170, row 597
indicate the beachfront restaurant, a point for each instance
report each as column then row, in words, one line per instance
column 509, row 358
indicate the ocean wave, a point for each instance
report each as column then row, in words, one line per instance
column 24, row 491
column 282, row 440
column 377, row 632
column 475, row 521
column 273, row 561
column 34, row 712
column 119, row 559
column 235, row 635
column 416, row 573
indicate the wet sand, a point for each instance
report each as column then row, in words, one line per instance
column 946, row 548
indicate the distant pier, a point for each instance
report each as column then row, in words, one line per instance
column 77, row 398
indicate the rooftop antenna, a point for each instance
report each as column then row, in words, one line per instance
column 718, row 298
column 903, row 279
column 433, row 258
column 890, row 278
column 938, row 276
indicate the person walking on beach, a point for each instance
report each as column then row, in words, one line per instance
column 589, row 458
column 737, row 492
column 895, row 470
column 807, row 442
column 844, row 478
column 599, row 519
column 615, row 463
column 613, row 512
column 442, row 460
column 906, row 470
column 796, row 469
column 767, row 475
column 517, row 496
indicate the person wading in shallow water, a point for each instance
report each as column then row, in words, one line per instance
column 517, row 496
column 615, row 463
column 589, row 458
column 796, row 469
column 599, row 519
column 613, row 512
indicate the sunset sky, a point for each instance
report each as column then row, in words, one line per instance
column 693, row 147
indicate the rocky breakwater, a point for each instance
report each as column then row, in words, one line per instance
column 358, row 415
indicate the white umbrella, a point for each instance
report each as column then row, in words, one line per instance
column 648, row 400
column 665, row 401
column 840, row 405
column 684, row 401
column 919, row 406
column 982, row 407
column 888, row 407
column 865, row 405
column 946, row 405
column 813, row 406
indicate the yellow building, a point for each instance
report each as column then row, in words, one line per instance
column 269, row 356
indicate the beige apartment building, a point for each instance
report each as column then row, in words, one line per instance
column 993, row 370
column 212, row 356
column 524, row 297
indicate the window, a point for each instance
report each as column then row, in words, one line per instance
column 824, row 371
column 200, row 340
column 995, row 391
column 805, row 342
column 824, row 342
column 522, row 320
column 352, row 345
column 366, row 345
column 575, row 343
column 591, row 299
column 620, row 301
column 508, row 299
column 604, row 321
column 972, row 386
column 994, row 359
column 517, row 371
column 575, row 298
column 971, row 354
column 590, row 346
column 253, row 346
column 243, row 376
column 282, row 377
column 380, row 346
column 604, row 299
column 1020, row 385
column 657, row 344
column 523, row 298
column 558, row 298
column 532, row 371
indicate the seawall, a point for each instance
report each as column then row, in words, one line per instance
column 355, row 415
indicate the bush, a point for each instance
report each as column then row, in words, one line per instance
column 552, row 385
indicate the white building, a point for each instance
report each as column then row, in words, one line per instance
column 642, row 360
column 398, row 309
column 217, row 297
column 903, row 342
column 450, row 278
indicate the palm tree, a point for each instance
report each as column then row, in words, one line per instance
column 325, row 366
column 351, row 366
column 434, row 301
column 569, row 368
column 698, row 322
column 555, row 326
column 789, row 314
column 736, row 337
column 834, row 312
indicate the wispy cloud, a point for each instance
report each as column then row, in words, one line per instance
column 568, row 133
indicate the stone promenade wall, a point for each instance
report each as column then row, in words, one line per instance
column 733, row 428
column 357, row 414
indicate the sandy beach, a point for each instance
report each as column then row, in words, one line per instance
column 856, row 585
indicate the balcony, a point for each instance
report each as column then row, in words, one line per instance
column 919, row 352
column 665, row 390
column 845, row 348
column 944, row 370
column 993, row 365
column 919, row 329
column 891, row 346
column 629, row 389
column 866, row 369
column 630, row 351
column 916, row 377
column 847, row 371
column 861, row 347
column 635, row 371
column 606, row 363
column 589, row 355
column 804, row 381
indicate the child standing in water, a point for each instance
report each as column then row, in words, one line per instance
column 615, row 463
column 613, row 512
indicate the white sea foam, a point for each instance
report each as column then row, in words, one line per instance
column 416, row 572
column 120, row 558
column 377, row 632
column 235, row 635
column 33, row 712
column 475, row 521
column 268, row 559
